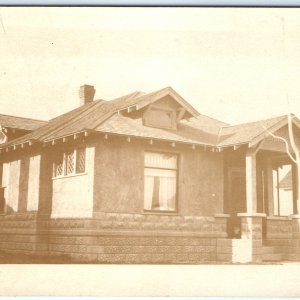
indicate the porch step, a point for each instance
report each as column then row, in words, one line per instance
column 271, row 257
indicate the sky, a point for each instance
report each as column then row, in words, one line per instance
column 233, row 64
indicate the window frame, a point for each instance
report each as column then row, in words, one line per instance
column 153, row 211
column 64, row 154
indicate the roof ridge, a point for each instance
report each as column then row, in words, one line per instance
column 214, row 119
column 32, row 134
column 76, row 108
column 151, row 93
column 126, row 96
column 115, row 109
column 23, row 118
column 253, row 121
column 91, row 104
column 80, row 115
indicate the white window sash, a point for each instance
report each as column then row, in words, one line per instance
column 160, row 160
column 167, row 189
column 148, row 192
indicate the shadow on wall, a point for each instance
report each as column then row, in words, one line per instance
column 23, row 185
column 45, row 186
column 45, row 196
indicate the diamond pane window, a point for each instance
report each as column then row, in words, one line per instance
column 70, row 162
column 80, row 160
column 58, row 166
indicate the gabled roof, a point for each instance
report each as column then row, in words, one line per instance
column 251, row 132
column 146, row 99
column 108, row 117
column 90, row 116
column 13, row 122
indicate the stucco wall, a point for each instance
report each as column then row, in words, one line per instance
column 12, row 197
column 201, row 183
column 5, row 178
column 72, row 196
column 34, row 181
column 119, row 177
column 21, row 177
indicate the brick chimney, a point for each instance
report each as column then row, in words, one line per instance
column 86, row 94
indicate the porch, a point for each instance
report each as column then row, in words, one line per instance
column 260, row 199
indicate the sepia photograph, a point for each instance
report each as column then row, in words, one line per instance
column 150, row 137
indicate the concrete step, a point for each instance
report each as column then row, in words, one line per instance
column 271, row 257
column 267, row 250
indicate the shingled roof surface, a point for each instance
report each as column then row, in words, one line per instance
column 243, row 133
column 134, row 127
column 82, row 118
column 20, row 123
column 103, row 116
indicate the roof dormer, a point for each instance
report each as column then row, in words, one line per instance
column 156, row 116
column 164, row 113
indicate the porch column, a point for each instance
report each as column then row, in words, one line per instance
column 270, row 200
column 251, row 221
column 248, row 249
column 251, row 195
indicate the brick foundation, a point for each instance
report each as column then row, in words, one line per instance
column 282, row 234
column 279, row 228
column 239, row 250
column 115, row 238
column 137, row 238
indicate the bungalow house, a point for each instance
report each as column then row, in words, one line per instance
column 145, row 178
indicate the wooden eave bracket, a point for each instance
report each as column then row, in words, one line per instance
column 73, row 136
column 235, row 147
column 181, row 111
column 30, row 142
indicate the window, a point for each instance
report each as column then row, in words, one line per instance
column 283, row 190
column 69, row 163
column 160, row 181
column 80, row 160
column 59, row 165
